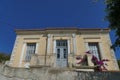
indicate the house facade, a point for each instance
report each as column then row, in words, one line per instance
column 59, row 47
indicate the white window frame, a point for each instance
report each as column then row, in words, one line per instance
column 54, row 46
column 30, row 51
column 95, row 49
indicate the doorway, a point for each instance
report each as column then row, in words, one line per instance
column 61, row 53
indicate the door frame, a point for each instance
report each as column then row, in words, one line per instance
column 65, row 46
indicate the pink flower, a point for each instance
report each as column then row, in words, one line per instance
column 88, row 52
column 78, row 57
column 94, row 58
column 100, row 63
column 105, row 60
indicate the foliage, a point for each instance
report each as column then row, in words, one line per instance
column 100, row 65
column 4, row 57
column 113, row 16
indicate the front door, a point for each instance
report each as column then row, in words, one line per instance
column 62, row 53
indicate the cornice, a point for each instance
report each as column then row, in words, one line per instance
column 62, row 30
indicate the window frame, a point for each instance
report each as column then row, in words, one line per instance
column 96, row 44
column 30, row 50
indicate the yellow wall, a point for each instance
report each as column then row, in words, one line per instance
column 80, row 38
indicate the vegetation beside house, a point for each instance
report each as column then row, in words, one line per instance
column 4, row 57
column 113, row 16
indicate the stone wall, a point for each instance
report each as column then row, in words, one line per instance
column 8, row 73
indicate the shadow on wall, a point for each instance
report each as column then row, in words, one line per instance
column 118, row 63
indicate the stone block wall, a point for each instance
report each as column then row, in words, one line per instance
column 8, row 73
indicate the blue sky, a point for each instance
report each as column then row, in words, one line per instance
column 15, row 14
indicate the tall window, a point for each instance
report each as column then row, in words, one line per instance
column 94, row 48
column 31, row 47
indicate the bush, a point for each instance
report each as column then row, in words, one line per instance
column 4, row 57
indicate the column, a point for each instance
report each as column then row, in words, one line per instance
column 36, row 50
column 114, row 60
column 101, row 50
column 48, row 43
column 68, row 42
column 74, row 43
column 54, row 46
column 113, row 54
column 14, row 51
column 87, row 47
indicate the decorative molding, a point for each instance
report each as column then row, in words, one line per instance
column 74, row 43
column 91, row 38
column 68, row 41
column 113, row 54
column 62, row 35
column 101, row 50
column 48, row 43
column 54, row 46
column 14, row 49
column 86, row 45
column 73, row 35
column 31, row 38
column 22, row 53
column 37, row 45
column 114, row 60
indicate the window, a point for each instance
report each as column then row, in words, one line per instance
column 31, row 47
column 58, row 53
column 61, row 43
column 65, row 53
column 94, row 48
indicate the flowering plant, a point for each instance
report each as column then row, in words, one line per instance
column 100, row 65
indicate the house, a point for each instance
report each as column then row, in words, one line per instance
column 59, row 47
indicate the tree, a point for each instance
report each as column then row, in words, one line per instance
column 113, row 16
column 4, row 57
